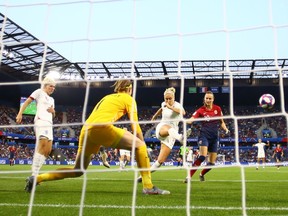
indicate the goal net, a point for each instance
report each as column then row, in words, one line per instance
column 235, row 49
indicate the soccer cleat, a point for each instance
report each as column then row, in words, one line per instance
column 29, row 184
column 139, row 179
column 186, row 180
column 201, row 178
column 155, row 191
column 106, row 164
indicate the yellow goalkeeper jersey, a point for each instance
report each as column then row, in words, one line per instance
column 112, row 107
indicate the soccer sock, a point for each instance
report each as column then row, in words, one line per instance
column 57, row 175
column 174, row 134
column 122, row 164
column 197, row 163
column 155, row 166
column 144, row 162
column 37, row 163
column 204, row 171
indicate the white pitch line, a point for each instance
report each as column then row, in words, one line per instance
column 145, row 207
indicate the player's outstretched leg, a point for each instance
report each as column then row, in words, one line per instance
column 104, row 156
column 106, row 164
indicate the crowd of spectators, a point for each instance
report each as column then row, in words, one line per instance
column 69, row 154
column 69, row 120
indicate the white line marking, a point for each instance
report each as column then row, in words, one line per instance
column 145, row 207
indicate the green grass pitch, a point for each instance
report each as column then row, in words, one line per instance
column 111, row 193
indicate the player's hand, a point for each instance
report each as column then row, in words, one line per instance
column 51, row 110
column 227, row 131
column 18, row 119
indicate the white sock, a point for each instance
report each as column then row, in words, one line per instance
column 37, row 163
column 155, row 166
column 173, row 133
column 122, row 164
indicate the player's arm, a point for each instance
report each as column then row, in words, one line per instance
column 136, row 127
column 22, row 108
column 133, row 116
column 223, row 125
column 178, row 110
column 195, row 115
column 159, row 111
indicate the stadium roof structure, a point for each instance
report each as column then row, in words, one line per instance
column 24, row 56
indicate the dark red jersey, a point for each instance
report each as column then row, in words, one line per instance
column 210, row 126
column 12, row 149
column 278, row 150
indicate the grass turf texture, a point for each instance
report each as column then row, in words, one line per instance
column 110, row 193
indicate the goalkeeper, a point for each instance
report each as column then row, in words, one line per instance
column 99, row 130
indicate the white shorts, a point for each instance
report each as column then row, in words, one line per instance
column 124, row 152
column 43, row 128
column 261, row 155
column 168, row 141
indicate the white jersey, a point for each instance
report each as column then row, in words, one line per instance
column 171, row 117
column 44, row 101
column 261, row 151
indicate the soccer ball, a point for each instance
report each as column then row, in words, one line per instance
column 266, row 101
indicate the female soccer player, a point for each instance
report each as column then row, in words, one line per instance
column 12, row 150
column 208, row 137
column 125, row 156
column 167, row 129
column 99, row 130
column 43, row 123
column 104, row 156
column 261, row 152
column 279, row 153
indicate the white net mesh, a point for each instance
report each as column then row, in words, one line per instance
column 91, row 44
